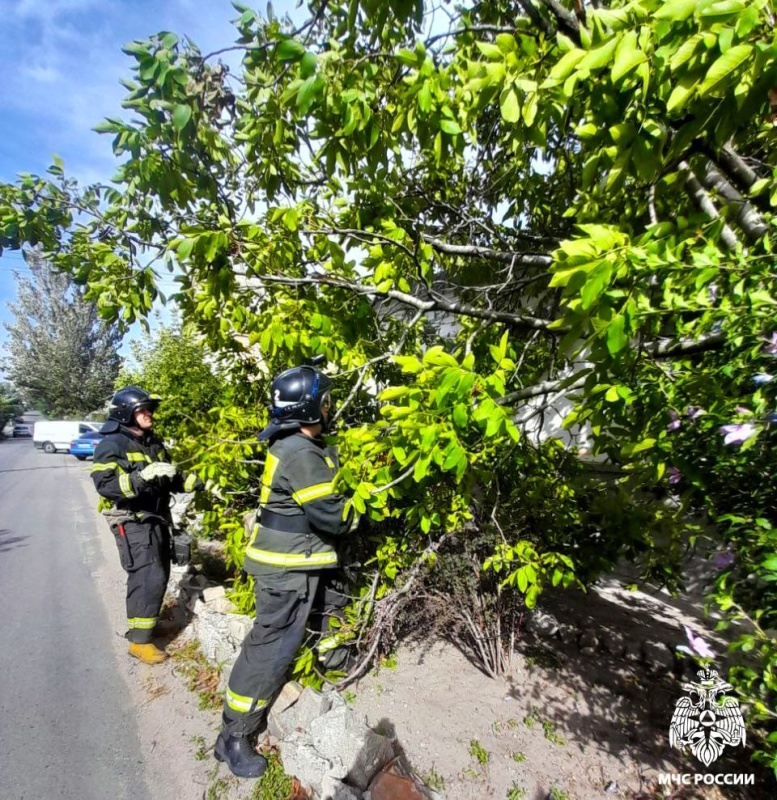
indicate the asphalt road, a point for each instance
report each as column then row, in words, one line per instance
column 67, row 723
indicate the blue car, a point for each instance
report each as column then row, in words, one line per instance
column 84, row 445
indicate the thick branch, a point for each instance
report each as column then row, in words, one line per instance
column 702, row 199
column 565, row 18
column 748, row 219
column 474, row 251
column 438, row 304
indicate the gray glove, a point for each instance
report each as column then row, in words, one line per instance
column 159, row 469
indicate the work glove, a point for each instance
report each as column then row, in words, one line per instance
column 158, row 472
column 193, row 483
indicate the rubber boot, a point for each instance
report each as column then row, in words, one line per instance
column 148, row 653
column 239, row 756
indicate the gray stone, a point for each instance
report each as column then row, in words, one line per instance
column 588, row 638
column 588, row 651
column 334, row 789
column 311, row 704
column 567, row 633
column 282, row 723
column 212, row 632
column 342, row 736
column 301, row 760
column 633, row 650
column 614, row 643
column 213, row 592
column 657, row 656
column 221, row 605
column 238, row 627
column 287, row 696
column 544, row 623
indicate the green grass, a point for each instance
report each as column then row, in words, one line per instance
column 201, row 751
column 434, row 780
column 557, row 794
column 275, row 783
column 519, row 758
column 478, row 752
column 516, row 793
column 197, row 674
column 550, row 733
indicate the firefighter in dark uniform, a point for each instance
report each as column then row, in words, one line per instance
column 292, row 558
column 134, row 477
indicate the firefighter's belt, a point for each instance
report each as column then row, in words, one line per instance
column 297, row 523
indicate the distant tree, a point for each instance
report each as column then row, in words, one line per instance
column 172, row 363
column 10, row 404
column 61, row 356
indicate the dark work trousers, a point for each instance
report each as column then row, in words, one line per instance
column 289, row 606
column 145, row 557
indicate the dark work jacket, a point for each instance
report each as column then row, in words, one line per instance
column 300, row 515
column 119, row 458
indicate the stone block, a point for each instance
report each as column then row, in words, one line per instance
column 614, row 643
column 221, row 605
column 238, row 627
column 287, row 696
column 334, row 789
column 311, row 704
column 588, row 638
column 341, row 735
column 568, row 633
column 211, row 593
column 282, row 723
column 657, row 657
column 544, row 623
column 302, row 760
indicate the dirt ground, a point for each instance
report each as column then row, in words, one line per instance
column 559, row 727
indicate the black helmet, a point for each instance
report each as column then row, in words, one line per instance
column 297, row 394
column 129, row 400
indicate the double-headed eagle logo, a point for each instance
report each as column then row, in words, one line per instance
column 707, row 720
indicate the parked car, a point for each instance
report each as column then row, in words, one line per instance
column 20, row 431
column 52, row 435
column 84, row 445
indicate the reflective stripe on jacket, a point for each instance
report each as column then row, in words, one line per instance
column 304, row 513
column 119, row 458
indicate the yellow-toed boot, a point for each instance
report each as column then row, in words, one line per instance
column 148, row 653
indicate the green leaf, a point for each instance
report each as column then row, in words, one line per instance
column 460, row 417
column 599, row 56
column 627, row 57
column 676, row 10
column 307, row 66
column 724, row 66
column 616, row 335
column 289, row 50
column 181, row 116
column 509, row 106
column 450, row 127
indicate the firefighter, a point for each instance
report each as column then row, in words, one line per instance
column 292, row 557
column 134, row 477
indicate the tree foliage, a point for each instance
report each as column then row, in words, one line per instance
column 62, row 357
column 10, row 404
column 470, row 213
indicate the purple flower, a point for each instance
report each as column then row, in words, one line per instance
column 723, row 560
column 675, row 423
column 698, row 647
column 675, row 476
column 736, row 434
column 694, row 412
column 761, row 378
column 771, row 345
column 743, row 410
column 712, row 289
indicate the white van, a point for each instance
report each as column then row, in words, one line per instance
column 52, row 435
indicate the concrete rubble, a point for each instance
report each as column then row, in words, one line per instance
column 327, row 746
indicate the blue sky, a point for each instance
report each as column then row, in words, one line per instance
column 61, row 63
